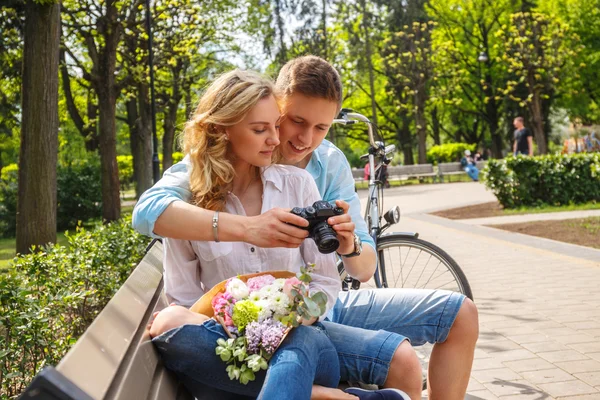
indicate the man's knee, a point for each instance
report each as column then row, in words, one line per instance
column 466, row 325
column 405, row 369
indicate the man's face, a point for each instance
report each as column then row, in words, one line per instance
column 305, row 124
column 517, row 123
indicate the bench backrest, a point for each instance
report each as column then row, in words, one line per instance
column 114, row 358
column 358, row 173
column 410, row 170
column 450, row 167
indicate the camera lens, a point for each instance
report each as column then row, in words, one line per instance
column 325, row 238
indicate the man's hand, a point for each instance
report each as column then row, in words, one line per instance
column 344, row 227
column 275, row 228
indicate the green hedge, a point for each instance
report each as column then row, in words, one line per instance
column 47, row 299
column 79, row 195
column 550, row 179
column 448, row 152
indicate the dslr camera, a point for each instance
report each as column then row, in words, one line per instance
column 318, row 229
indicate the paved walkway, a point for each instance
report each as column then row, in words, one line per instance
column 538, row 299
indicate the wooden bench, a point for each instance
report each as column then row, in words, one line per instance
column 114, row 358
column 455, row 168
column 401, row 172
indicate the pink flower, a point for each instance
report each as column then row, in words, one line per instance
column 222, row 306
column 289, row 284
column 259, row 282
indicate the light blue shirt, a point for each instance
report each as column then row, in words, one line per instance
column 328, row 166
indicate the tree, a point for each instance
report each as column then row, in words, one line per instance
column 36, row 206
column 96, row 30
column 538, row 52
column 468, row 88
column 409, row 69
column 583, row 18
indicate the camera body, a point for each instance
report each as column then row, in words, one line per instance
column 318, row 229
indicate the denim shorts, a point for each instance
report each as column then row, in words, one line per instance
column 367, row 326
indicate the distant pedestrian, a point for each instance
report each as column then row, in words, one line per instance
column 470, row 166
column 523, row 139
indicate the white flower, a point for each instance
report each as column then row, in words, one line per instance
column 280, row 303
column 255, row 297
column 266, row 310
column 278, row 283
column 267, row 291
column 237, row 289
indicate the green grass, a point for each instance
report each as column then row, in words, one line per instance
column 591, row 224
column 8, row 246
column 8, row 249
column 548, row 208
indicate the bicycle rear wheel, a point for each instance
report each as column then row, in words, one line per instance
column 408, row 262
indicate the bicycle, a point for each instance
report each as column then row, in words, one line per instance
column 403, row 259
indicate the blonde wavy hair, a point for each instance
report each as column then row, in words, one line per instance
column 224, row 103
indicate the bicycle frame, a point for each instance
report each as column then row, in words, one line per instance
column 372, row 216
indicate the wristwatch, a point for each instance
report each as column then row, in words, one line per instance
column 357, row 248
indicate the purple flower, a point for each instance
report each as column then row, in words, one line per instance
column 272, row 335
column 266, row 335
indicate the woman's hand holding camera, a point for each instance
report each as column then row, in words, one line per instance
column 275, row 228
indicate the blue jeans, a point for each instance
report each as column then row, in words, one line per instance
column 472, row 171
column 306, row 356
column 367, row 326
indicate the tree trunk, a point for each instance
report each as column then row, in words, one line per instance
column 435, row 122
column 143, row 155
column 88, row 132
column 491, row 111
column 405, row 140
column 36, row 205
column 368, row 57
column 538, row 122
column 106, row 89
column 170, row 119
column 111, row 202
column 421, row 123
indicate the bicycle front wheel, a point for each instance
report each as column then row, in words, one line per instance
column 409, row 262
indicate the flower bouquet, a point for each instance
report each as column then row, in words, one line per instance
column 257, row 311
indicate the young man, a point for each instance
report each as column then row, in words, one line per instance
column 523, row 143
column 312, row 94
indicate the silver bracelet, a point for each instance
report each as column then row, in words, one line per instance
column 215, row 226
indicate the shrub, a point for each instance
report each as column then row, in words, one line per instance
column 125, row 165
column 79, row 193
column 448, row 152
column 79, row 196
column 8, row 200
column 550, row 179
column 48, row 298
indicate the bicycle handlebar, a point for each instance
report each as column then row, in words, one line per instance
column 349, row 117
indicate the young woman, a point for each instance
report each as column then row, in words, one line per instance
column 312, row 96
column 230, row 141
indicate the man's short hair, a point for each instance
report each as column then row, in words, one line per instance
column 520, row 119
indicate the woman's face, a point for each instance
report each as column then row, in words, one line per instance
column 306, row 123
column 254, row 138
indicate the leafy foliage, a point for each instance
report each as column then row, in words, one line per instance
column 551, row 179
column 448, row 152
column 48, row 298
column 79, row 195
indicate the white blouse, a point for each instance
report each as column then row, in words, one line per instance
column 193, row 267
